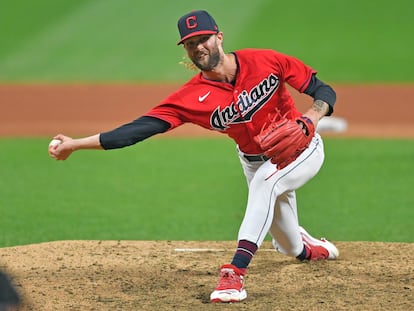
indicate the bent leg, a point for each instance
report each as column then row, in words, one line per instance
column 268, row 184
column 285, row 227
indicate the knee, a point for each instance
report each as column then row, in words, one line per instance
column 288, row 249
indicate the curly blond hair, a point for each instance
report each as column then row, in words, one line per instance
column 188, row 64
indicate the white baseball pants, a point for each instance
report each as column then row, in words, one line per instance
column 271, row 206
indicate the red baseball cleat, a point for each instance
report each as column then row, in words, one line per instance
column 319, row 249
column 230, row 286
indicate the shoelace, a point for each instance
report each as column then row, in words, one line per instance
column 229, row 279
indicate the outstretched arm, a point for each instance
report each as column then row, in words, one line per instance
column 63, row 150
column 125, row 135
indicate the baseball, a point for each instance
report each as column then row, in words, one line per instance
column 54, row 142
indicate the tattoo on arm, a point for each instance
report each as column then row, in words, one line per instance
column 320, row 106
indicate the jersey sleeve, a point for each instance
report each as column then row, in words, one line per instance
column 169, row 111
column 295, row 72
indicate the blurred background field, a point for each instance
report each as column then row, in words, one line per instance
column 127, row 40
column 180, row 189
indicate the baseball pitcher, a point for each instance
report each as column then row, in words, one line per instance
column 243, row 95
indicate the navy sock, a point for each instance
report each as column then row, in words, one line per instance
column 302, row 256
column 244, row 254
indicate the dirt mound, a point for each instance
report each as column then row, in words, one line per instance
column 149, row 275
column 46, row 110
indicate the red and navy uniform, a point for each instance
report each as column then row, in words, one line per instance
column 238, row 109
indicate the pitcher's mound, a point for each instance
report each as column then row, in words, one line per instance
column 149, row 275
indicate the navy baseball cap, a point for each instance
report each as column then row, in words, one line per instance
column 196, row 23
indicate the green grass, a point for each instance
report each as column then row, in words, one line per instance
column 171, row 189
column 126, row 40
column 363, row 192
column 193, row 189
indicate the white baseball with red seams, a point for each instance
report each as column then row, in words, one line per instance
column 54, row 142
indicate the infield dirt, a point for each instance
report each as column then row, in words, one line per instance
column 154, row 275
column 149, row 275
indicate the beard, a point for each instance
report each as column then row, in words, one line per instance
column 211, row 60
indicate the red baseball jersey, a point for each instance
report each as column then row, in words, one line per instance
column 239, row 110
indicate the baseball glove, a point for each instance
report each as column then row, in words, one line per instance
column 283, row 140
